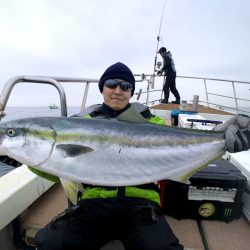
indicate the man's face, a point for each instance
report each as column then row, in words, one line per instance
column 116, row 98
column 162, row 54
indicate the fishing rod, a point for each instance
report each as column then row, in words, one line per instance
column 158, row 37
column 157, row 45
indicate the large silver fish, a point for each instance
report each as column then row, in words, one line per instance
column 109, row 152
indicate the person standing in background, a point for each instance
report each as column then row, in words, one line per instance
column 168, row 69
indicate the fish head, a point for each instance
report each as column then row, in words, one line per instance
column 26, row 141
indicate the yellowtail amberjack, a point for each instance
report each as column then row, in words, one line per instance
column 109, row 152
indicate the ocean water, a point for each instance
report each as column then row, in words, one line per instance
column 21, row 112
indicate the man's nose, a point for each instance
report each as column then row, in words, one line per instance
column 118, row 89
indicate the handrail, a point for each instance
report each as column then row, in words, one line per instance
column 41, row 80
column 223, row 80
column 213, row 79
column 147, row 79
column 51, row 80
column 207, row 94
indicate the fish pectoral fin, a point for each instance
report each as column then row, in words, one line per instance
column 72, row 150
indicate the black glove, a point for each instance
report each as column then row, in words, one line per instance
column 159, row 72
column 237, row 133
column 9, row 161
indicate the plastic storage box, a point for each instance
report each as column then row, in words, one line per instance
column 215, row 193
column 242, row 161
column 183, row 120
column 196, row 122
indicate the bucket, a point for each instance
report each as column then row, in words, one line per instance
column 183, row 105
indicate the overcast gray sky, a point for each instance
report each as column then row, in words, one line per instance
column 81, row 38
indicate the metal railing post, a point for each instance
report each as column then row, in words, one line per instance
column 147, row 98
column 205, row 84
column 235, row 98
column 84, row 100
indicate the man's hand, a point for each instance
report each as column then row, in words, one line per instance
column 237, row 133
column 159, row 72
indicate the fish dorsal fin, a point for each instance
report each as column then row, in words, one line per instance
column 131, row 115
column 72, row 150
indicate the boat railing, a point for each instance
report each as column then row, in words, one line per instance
column 150, row 86
column 223, row 101
column 51, row 80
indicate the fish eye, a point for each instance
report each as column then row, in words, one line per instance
column 11, row 132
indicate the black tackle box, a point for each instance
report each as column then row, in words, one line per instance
column 214, row 193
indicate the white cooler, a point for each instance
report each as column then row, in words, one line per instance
column 184, row 123
column 242, row 161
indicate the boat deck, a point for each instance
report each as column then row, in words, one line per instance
column 201, row 108
column 193, row 235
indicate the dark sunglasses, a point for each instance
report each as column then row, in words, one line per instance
column 112, row 84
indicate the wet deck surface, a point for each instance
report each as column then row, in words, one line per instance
column 201, row 108
column 219, row 235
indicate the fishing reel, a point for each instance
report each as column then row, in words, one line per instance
column 158, row 66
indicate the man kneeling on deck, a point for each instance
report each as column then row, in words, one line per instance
column 129, row 214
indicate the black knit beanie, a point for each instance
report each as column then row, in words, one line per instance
column 118, row 71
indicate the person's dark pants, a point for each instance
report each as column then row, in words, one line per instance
column 170, row 85
column 138, row 223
